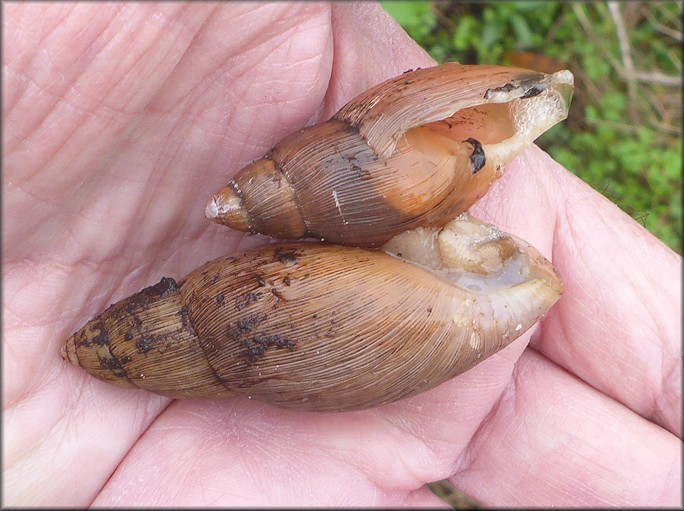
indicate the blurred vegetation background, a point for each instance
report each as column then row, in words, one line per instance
column 623, row 135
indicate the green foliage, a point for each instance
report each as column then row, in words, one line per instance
column 502, row 26
column 623, row 137
column 416, row 18
column 640, row 177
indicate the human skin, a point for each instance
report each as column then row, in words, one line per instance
column 121, row 120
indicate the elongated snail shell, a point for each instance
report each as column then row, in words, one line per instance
column 415, row 150
column 325, row 328
column 322, row 327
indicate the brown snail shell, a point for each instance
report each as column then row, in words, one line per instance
column 316, row 327
column 415, row 150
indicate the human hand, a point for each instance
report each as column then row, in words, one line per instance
column 121, row 120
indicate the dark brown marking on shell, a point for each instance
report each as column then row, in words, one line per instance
column 103, row 337
column 165, row 287
column 185, row 320
column 247, row 299
column 244, row 327
column 361, row 172
column 220, row 297
column 145, row 344
column 286, row 280
column 256, row 346
column 534, row 85
column 477, row 157
column 535, row 90
column 125, row 360
column 161, row 289
column 353, row 127
column 260, row 280
column 245, row 333
column 114, row 365
column 106, row 358
column 276, row 293
column 504, row 88
column 285, row 257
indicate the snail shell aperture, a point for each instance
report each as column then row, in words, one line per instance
column 321, row 327
column 288, row 323
column 416, row 150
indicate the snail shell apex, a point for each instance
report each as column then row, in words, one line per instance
column 413, row 151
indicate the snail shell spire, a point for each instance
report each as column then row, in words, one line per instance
column 259, row 199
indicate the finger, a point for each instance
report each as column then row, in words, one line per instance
column 369, row 47
column 617, row 325
column 553, row 440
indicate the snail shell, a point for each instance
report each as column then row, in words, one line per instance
column 316, row 327
column 415, row 150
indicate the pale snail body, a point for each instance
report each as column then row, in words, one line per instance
column 266, row 323
column 413, row 151
column 319, row 327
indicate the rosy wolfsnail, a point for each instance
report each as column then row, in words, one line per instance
column 290, row 324
column 413, row 151
column 323, row 327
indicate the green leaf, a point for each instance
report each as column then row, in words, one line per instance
column 408, row 13
column 522, row 31
column 464, row 33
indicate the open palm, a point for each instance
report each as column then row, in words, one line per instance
column 121, row 120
